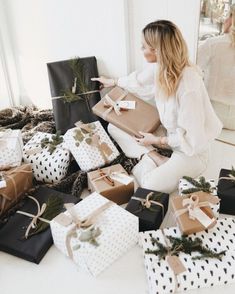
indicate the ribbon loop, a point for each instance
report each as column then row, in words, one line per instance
column 113, row 105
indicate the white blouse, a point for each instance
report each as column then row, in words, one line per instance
column 216, row 57
column 188, row 116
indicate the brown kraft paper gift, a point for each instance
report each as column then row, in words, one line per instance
column 144, row 117
column 118, row 193
column 18, row 182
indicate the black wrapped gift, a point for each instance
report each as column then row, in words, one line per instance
column 12, row 234
column 150, row 214
column 62, row 79
column 226, row 192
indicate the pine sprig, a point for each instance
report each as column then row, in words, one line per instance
column 200, row 185
column 52, row 144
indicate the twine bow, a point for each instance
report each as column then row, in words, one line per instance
column 230, row 178
column 107, row 176
column 113, row 105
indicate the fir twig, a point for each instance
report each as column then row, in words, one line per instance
column 51, row 144
column 200, row 185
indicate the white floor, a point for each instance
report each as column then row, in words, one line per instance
column 126, row 276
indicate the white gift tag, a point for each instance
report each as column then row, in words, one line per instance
column 126, row 104
column 121, row 178
column 3, row 183
column 204, row 219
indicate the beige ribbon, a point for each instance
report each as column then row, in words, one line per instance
column 85, row 93
column 109, row 173
column 39, row 149
column 147, row 202
column 230, row 178
column 36, row 217
column 108, row 101
column 89, row 221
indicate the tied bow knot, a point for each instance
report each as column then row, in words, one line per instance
column 192, row 203
column 107, row 176
column 113, row 105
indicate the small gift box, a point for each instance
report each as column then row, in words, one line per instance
column 127, row 112
column 226, row 191
column 27, row 233
column 188, row 185
column 90, row 145
column 193, row 213
column 112, row 182
column 49, row 157
column 13, row 184
column 150, row 207
column 170, row 268
column 11, row 145
column 94, row 233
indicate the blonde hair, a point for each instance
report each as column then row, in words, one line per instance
column 171, row 50
column 232, row 28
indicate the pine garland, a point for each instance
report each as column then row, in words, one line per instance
column 200, row 185
column 183, row 244
column 52, row 144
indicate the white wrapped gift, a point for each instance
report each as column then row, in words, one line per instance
column 90, row 146
column 198, row 273
column 11, row 145
column 184, row 186
column 47, row 167
column 118, row 233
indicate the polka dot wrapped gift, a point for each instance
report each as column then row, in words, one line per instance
column 49, row 163
column 113, row 231
column 90, row 145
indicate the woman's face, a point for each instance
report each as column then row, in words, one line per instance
column 149, row 53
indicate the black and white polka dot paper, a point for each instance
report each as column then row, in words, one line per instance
column 184, row 185
column 48, row 168
column 119, row 232
column 11, row 145
column 88, row 157
column 199, row 273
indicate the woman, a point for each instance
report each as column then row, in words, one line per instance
column 216, row 57
column 184, row 108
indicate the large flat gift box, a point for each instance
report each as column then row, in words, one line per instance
column 13, row 185
column 11, row 145
column 150, row 207
column 202, row 273
column 112, row 182
column 143, row 118
column 226, row 192
column 90, row 145
column 95, row 233
column 12, row 234
column 48, row 167
column 62, row 78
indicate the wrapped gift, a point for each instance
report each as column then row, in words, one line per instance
column 141, row 117
column 49, row 157
column 13, row 185
column 73, row 93
column 150, row 207
column 177, row 274
column 94, row 233
column 11, row 145
column 90, row 145
column 188, row 185
column 13, row 233
column 226, row 191
column 112, row 182
column 193, row 213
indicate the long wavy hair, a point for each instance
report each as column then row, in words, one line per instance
column 232, row 29
column 172, row 53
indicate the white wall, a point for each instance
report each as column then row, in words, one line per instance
column 43, row 31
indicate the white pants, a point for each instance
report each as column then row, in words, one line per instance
column 226, row 114
column 164, row 178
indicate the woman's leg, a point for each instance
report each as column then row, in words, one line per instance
column 165, row 178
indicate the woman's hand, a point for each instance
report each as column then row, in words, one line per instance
column 105, row 82
column 148, row 139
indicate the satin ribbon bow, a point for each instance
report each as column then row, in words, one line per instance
column 113, row 105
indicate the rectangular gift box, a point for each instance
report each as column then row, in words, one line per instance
column 13, row 184
column 116, row 191
column 11, row 145
column 47, row 167
column 90, row 146
column 61, row 78
column 118, row 233
column 150, row 218
column 12, row 239
column 187, row 224
column 185, row 187
column 199, row 273
column 226, row 192
column 143, row 118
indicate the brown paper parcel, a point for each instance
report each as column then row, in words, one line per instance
column 143, row 118
column 186, row 224
column 18, row 182
column 119, row 193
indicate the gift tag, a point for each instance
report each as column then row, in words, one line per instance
column 3, row 183
column 121, row 178
column 175, row 264
column 126, row 104
column 33, row 151
column 203, row 218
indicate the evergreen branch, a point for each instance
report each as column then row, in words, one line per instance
column 51, row 144
column 200, row 185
